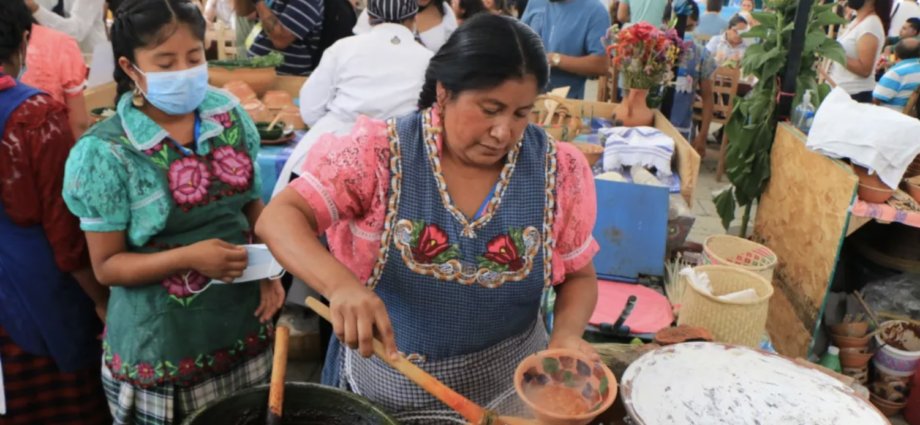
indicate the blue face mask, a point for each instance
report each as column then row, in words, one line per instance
column 177, row 92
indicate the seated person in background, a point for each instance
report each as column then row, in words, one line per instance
column 910, row 29
column 81, row 19
column 292, row 28
column 747, row 9
column 728, row 48
column 434, row 23
column 711, row 24
column 902, row 79
column 378, row 74
column 694, row 75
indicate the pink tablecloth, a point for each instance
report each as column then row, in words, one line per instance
column 885, row 212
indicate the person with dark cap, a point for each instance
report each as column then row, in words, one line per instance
column 378, row 74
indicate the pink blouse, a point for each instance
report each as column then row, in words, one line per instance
column 346, row 180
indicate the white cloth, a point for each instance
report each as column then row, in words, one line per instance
column 874, row 137
column 84, row 22
column 637, row 146
column 906, row 9
column 223, row 10
column 848, row 38
column 378, row 74
column 433, row 39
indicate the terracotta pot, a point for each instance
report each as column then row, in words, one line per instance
column 843, row 341
column 854, row 358
column 633, row 111
column 291, row 116
column 257, row 111
column 259, row 79
column 871, row 187
column 241, row 90
column 277, row 99
column 855, row 329
column 914, row 168
column 913, row 187
column 860, row 374
column 886, row 407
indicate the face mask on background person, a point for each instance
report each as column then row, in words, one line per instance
column 177, row 92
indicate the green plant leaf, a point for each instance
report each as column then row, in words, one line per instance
column 725, row 206
column 826, row 17
column 812, row 41
column 759, row 31
column 824, row 89
column 765, row 18
column 832, row 50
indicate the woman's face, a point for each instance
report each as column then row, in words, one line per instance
column 489, row 4
column 747, row 5
column 481, row 126
column 181, row 50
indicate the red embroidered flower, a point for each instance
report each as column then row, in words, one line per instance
column 156, row 148
column 186, row 284
column 253, row 343
column 189, row 180
column 232, row 167
column 145, row 372
column 502, row 250
column 224, row 119
column 431, row 243
column 115, row 365
column 221, row 361
column 187, row 367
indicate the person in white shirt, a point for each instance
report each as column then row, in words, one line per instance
column 862, row 40
column 220, row 10
column 84, row 20
column 378, row 74
column 435, row 22
column 728, row 48
column 904, row 10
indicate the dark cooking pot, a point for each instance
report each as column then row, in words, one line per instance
column 304, row 404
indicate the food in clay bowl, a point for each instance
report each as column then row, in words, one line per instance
column 564, row 387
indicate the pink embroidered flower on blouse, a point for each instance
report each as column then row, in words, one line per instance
column 186, row 284
column 232, row 167
column 156, row 148
column 224, row 119
column 189, row 180
column 145, row 372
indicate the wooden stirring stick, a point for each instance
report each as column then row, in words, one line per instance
column 279, row 369
column 470, row 411
column 275, row 121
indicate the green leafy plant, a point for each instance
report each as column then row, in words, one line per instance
column 271, row 60
column 753, row 122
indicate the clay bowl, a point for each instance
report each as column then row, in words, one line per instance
column 871, row 189
column 888, row 408
column 241, row 90
column 276, row 100
column 591, row 152
column 563, row 387
column 291, row 115
column 854, row 329
column 259, row 79
column 275, row 133
column 844, row 341
column 854, row 357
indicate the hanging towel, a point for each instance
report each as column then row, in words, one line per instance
column 637, row 146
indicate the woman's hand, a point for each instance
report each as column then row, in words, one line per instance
column 358, row 315
column 576, row 343
column 217, row 259
column 272, row 299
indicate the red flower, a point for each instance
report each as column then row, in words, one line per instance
column 145, row 372
column 232, row 167
column 224, row 119
column 643, row 30
column 221, row 361
column 115, row 364
column 185, row 284
column 431, row 243
column 502, row 250
column 189, row 180
column 253, row 344
column 187, row 367
column 156, row 148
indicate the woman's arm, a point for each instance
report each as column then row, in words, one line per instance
column 288, row 226
column 76, row 114
column 115, row 266
column 576, row 299
column 863, row 64
column 83, row 16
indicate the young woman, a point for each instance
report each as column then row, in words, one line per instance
column 445, row 226
column 435, row 22
column 166, row 190
column 862, row 40
column 48, row 329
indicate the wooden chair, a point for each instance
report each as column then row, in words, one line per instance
column 225, row 39
column 607, row 86
column 911, row 107
column 724, row 89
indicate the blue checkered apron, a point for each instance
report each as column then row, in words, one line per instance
column 468, row 314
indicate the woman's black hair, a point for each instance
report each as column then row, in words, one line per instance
column 147, row 23
column 470, row 8
column 15, row 20
column 484, row 52
column 883, row 10
column 438, row 4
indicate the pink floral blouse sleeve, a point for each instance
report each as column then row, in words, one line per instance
column 576, row 212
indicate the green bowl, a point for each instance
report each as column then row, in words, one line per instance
column 274, row 134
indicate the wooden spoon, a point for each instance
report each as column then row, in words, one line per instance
column 275, row 121
column 470, row 411
column 279, row 369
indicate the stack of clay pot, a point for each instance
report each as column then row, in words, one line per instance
column 274, row 102
column 894, row 364
column 853, row 340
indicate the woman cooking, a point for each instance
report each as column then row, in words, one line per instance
column 166, row 190
column 445, row 226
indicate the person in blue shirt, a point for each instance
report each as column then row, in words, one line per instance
column 291, row 27
column 571, row 31
column 693, row 75
column 897, row 85
column 711, row 23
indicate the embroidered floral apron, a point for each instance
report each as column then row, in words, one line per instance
column 463, row 296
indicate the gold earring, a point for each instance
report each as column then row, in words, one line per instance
column 137, row 98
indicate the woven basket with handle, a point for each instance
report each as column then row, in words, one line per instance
column 732, row 322
column 739, row 252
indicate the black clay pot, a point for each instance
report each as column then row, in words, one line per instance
column 304, row 404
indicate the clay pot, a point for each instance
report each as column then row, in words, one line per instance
column 257, row 111
column 854, row 357
column 844, row 341
column 888, row 386
column 914, row 168
column 860, row 374
column 682, row 333
column 887, row 408
column 591, row 151
column 871, row 188
column 555, row 380
column 290, row 114
column 241, row 90
column 277, row 100
column 633, row 111
column 259, row 79
column 855, row 329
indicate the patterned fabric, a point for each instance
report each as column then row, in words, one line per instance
column 487, row 276
column 171, row 404
column 896, row 86
column 37, row 392
column 127, row 175
column 697, row 65
column 304, row 19
column 346, row 179
column 55, row 64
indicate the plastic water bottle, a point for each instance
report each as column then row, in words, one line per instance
column 804, row 114
column 831, row 359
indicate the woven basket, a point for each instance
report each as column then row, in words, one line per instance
column 730, row 250
column 731, row 322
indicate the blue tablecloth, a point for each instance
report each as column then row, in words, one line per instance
column 271, row 161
